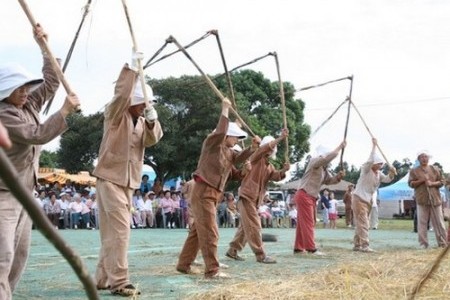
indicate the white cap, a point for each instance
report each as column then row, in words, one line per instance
column 321, row 150
column 267, row 139
column 138, row 97
column 235, row 130
column 377, row 159
column 423, row 151
column 13, row 76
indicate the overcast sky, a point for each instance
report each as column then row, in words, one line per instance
column 398, row 52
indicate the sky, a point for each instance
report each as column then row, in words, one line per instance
column 397, row 51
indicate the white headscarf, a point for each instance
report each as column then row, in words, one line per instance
column 13, row 76
column 321, row 150
column 267, row 139
column 138, row 97
column 235, row 130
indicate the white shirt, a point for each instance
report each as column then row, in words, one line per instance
column 293, row 213
column 333, row 206
column 148, row 205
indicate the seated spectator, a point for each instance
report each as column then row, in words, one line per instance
column 265, row 215
column 147, row 211
column 157, row 186
column 78, row 210
column 135, row 214
column 232, row 212
column 64, row 204
column 52, row 209
column 277, row 213
column 184, row 211
column 157, row 210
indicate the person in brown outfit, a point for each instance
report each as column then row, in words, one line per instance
column 426, row 181
column 21, row 99
column 213, row 171
column 126, row 134
column 348, row 205
column 251, row 193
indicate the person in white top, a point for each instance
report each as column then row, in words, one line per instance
column 368, row 182
column 147, row 211
column 332, row 211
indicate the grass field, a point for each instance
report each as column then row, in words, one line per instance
column 153, row 255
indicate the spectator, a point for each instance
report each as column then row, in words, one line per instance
column 176, row 213
column 64, row 203
column 147, row 211
column 348, row 205
column 158, row 210
column 293, row 215
column 325, row 205
column 374, row 211
column 137, row 203
column 53, row 210
column 222, row 215
column 332, row 211
column 265, row 215
column 79, row 211
column 277, row 213
column 232, row 211
column 157, row 186
column 166, row 205
column 145, row 185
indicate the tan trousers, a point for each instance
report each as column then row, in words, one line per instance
column 249, row 230
column 114, row 215
column 204, row 233
column 361, row 211
column 15, row 231
column 433, row 213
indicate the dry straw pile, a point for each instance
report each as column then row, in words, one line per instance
column 391, row 275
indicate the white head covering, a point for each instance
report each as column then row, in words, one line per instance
column 321, row 150
column 423, row 151
column 267, row 139
column 377, row 159
column 235, row 130
column 237, row 148
column 13, row 76
column 138, row 97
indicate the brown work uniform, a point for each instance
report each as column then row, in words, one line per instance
column 119, row 172
column 251, row 193
column 213, row 170
column 27, row 135
column 429, row 205
column 348, row 208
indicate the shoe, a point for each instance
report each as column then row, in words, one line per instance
column 183, row 271
column 316, row 253
column 235, row 256
column 299, row 252
column 374, row 228
column 219, row 275
column 268, row 260
column 367, row 250
column 223, row 266
column 356, row 249
column 349, row 226
column 126, row 291
column 423, row 246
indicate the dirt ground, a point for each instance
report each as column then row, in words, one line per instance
column 153, row 255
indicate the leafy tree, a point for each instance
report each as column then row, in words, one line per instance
column 79, row 145
column 189, row 111
column 48, row 159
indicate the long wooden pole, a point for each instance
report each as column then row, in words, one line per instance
column 210, row 83
column 370, row 133
column 46, row 49
column 341, row 163
column 283, row 106
column 135, row 48
column 14, row 183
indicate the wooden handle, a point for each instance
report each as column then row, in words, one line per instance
column 46, row 49
column 135, row 49
column 283, row 106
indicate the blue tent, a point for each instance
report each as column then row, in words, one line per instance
column 397, row 191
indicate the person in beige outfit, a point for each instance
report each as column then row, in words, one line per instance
column 119, row 169
column 426, row 181
column 251, row 193
column 213, row 171
column 22, row 96
column 367, row 185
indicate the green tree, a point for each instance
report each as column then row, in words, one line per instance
column 189, row 110
column 79, row 145
column 48, row 159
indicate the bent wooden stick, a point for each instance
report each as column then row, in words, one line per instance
column 210, row 83
column 283, row 106
column 368, row 130
column 14, row 183
column 135, row 48
column 46, row 49
column 341, row 162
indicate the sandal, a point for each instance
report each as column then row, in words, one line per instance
column 235, row 256
column 126, row 291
